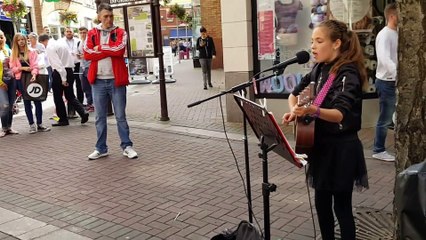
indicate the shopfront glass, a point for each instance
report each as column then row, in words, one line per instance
column 284, row 27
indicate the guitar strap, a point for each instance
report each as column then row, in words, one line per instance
column 324, row 90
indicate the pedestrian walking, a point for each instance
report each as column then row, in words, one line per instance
column 207, row 52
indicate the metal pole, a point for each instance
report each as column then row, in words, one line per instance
column 163, row 95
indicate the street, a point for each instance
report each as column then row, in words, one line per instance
column 184, row 185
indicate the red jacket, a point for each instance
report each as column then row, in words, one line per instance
column 115, row 49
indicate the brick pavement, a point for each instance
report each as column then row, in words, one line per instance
column 183, row 186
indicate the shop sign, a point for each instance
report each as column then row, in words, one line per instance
column 127, row 2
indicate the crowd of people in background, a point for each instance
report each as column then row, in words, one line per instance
column 21, row 63
column 181, row 48
column 83, row 73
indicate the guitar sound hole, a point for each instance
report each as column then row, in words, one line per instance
column 307, row 120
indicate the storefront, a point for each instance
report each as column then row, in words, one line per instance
column 85, row 9
column 284, row 27
column 7, row 26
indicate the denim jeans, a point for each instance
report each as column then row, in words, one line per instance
column 28, row 107
column 9, row 96
column 387, row 100
column 49, row 72
column 206, row 67
column 103, row 90
column 87, row 88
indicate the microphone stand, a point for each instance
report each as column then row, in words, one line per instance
column 241, row 88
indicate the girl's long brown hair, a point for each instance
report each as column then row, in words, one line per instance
column 350, row 49
column 15, row 48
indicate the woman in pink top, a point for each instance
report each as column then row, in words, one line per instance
column 23, row 62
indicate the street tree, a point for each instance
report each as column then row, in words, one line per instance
column 410, row 142
column 180, row 13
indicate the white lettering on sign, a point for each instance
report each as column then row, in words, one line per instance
column 34, row 90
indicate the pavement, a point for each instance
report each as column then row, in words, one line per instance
column 185, row 184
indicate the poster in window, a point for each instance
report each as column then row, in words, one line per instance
column 266, row 32
column 119, row 17
column 138, row 68
column 140, row 31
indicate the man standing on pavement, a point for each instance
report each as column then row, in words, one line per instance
column 386, row 49
column 84, row 69
column 108, row 74
column 205, row 46
column 72, row 45
column 62, row 65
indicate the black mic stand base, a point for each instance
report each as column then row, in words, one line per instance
column 267, row 187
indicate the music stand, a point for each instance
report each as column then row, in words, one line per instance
column 272, row 138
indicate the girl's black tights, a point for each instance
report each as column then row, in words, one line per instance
column 343, row 210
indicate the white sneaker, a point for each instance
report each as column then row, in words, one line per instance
column 384, row 156
column 130, row 153
column 96, row 154
column 33, row 128
column 42, row 128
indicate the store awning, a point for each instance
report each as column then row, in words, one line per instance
column 182, row 33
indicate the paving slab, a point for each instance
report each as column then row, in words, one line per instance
column 184, row 185
column 7, row 216
column 63, row 235
column 20, row 226
column 38, row 232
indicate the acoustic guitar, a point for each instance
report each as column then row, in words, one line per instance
column 305, row 125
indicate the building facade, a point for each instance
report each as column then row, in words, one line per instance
column 85, row 9
column 263, row 33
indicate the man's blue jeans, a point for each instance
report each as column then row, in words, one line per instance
column 103, row 90
column 387, row 100
column 8, row 99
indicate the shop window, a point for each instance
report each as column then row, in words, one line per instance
column 285, row 28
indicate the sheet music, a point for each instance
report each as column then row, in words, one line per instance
column 264, row 125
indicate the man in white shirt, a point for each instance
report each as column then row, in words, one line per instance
column 62, row 64
column 72, row 45
column 387, row 60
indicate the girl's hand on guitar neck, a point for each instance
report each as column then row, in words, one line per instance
column 297, row 111
column 303, row 110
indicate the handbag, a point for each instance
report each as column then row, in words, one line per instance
column 36, row 90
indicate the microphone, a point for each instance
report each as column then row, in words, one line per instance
column 300, row 58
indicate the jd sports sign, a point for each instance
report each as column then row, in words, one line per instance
column 34, row 90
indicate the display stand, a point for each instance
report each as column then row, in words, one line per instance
column 271, row 138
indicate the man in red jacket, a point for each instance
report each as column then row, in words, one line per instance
column 105, row 47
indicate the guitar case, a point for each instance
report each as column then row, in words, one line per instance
column 244, row 231
column 410, row 202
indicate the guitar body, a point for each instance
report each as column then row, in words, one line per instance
column 305, row 126
column 304, row 134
